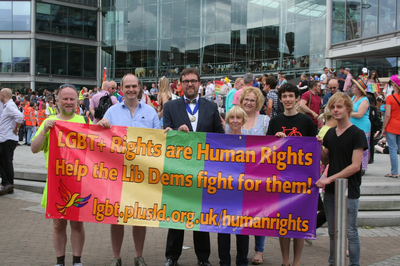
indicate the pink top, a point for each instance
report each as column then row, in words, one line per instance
column 236, row 97
column 348, row 83
column 94, row 102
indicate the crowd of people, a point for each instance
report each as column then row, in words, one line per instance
column 341, row 111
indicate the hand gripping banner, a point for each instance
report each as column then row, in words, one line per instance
column 236, row 184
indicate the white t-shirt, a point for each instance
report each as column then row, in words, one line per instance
column 322, row 78
column 210, row 89
column 200, row 90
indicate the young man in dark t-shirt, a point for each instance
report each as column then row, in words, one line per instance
column 344, row 147
column 294, row 124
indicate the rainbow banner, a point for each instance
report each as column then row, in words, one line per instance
column 254, row 185
column 373, row 88
column 218, row 86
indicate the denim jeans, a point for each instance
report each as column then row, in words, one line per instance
column 259, row 243
column 393, row 141
column 352, row 231
column 31, row 132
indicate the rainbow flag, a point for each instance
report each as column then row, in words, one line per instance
column 218, row 86
column 253, row 185
column 373, row 88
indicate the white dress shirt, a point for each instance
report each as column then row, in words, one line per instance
column 10, row 116
column 196, row 115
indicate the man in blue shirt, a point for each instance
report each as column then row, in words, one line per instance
column 130, row 113
column 333, row 87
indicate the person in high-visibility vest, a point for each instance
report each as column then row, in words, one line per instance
column 30, row 122
column 42, row 114
column 51, row 110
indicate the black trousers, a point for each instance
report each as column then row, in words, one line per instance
column 321, row 218
column 175, row 242
column 6, row 162
column 224, row 249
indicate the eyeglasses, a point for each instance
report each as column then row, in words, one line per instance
column 249, row 100
column 186, row 82
column 331, row 88
column 67, row 85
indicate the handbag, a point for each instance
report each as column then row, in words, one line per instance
column 298, row 108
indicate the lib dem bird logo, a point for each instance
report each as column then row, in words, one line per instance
column 70, row 199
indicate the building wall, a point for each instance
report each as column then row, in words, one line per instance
column 160, row 37
column 47, row 43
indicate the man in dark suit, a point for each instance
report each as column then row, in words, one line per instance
column 190, row 113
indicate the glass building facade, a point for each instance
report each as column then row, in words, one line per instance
column 153, row 38
column 363, row 19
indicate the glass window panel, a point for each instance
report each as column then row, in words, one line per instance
column 90, row 60
column 150, row 25
column 90, row 24
column 192, row 50
column 193, row 17
column 239, row 14
column 43, row 15
column 387, row 16
column 223, row 50
column 223, row 15
column 178, row 52
column 178, row 19
column 123, row 3
column 5, row 56
column 398, row 14
column 75, row 62
column 338, row 21
column 353, row 20
column 254, row 41
column 271, row 12
column 150, row 57
column 254, row 14
column 133, row 26
column 369, row 18
column 290, row 7
column 209, row 14
column 5, row 15
column 59, row 58
column 43, row 57
column 21, row 55
column 22, row 16
column 208, row 46
column 165, row 23
column 165, row 52
column 75, row 22
column 302, row 44
column 238, row 42
column 271, row 48
column 59, row 19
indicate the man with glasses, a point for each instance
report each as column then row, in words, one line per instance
column 190, row 113
column 333, row 87
column 68, row 100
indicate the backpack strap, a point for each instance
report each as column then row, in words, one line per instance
column 396, row 100
column 265, row 124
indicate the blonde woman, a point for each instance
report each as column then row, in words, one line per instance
column 251, row 101
column 235, row 118
column 164, row 94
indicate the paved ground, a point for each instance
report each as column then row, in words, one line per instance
column 27, row 239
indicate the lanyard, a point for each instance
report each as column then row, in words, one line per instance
column 194, row 110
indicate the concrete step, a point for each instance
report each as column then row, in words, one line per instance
column 378, row 218
column 31, row 174
column 379, row 203
column 32, row 186
column 389, row 188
